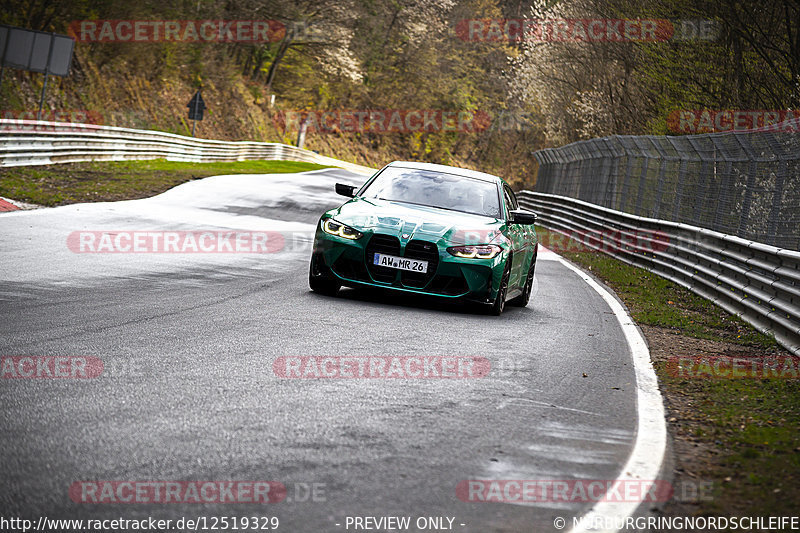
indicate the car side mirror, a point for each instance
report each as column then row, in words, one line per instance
column 526, row 218
column 345, row 190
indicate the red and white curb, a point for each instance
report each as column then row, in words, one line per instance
column 5, row 205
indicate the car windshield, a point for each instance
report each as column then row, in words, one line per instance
column 435, row 189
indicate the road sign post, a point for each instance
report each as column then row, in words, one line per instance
column 44, row 85
column 196, row 107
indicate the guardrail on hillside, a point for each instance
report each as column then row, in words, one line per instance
column 29, row 142
column 758, row 282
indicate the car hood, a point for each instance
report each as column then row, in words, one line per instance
column 407, row 222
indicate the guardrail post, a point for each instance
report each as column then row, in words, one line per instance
column 724, row 186
column 777, row 196
column 702, row 181
column 723, row 197
column 642, row 183
column 610, row 162
column 558, row 171
column 626, row 184
column 744, row 215
column 676, row 208
column 570, row 183
column 662, row 174
column 594, row 173
column 544, row 176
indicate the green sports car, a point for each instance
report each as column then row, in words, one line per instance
column 428, row 229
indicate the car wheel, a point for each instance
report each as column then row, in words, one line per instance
column 499, row 304
column 318, row 281
column 523, row 299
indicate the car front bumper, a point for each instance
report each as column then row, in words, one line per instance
column 351, row 263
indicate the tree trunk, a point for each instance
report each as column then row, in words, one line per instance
column 273, row 67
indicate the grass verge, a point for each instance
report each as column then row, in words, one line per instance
column 739, row 439
column 101, row 181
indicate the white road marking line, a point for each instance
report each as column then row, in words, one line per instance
column 647, row 456
column 546, row 254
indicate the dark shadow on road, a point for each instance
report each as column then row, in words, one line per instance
column 394, row 299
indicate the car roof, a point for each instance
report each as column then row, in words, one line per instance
column 447, row 169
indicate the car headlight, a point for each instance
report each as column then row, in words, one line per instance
column 340, row 230
column 484, row 251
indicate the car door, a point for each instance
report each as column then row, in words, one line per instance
column 516, row 235
column 525, row 245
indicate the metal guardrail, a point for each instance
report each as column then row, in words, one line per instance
column 757, row 282
column 30, row 142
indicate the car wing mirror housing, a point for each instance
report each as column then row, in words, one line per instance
column 345, row 190
column 526, row 218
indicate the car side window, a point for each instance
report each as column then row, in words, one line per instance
column 514, row 201
column 511, row 200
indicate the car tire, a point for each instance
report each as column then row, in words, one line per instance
column 523, row 299
column 496, row 308
column 319, row 282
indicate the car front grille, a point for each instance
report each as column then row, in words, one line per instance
column 382, row 244
column 425, row 251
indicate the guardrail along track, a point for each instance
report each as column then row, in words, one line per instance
column 758, row 282
column 30, row 142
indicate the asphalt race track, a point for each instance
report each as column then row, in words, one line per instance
column 188, row 390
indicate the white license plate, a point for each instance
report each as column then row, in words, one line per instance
column 401, row 263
